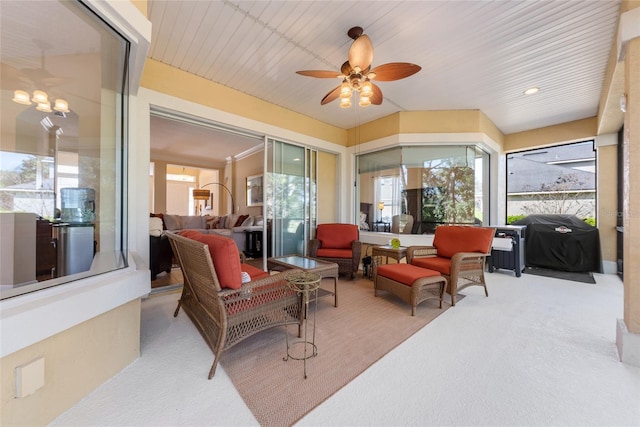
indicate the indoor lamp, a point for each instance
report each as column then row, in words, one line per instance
column 201, row 194
column 381, row 207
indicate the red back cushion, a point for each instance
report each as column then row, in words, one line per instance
column 225, row 256
column 451, row 239
column 337, row 236
column 335, row 253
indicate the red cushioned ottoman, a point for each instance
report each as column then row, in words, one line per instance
column 410, row 283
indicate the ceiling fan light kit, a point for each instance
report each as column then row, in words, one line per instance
column 21, row 97
column 356, row 73
column 61, row 105
column 40, row 97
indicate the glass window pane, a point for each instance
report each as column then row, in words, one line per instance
column 422, row 186
column 62, row 151
column 552, row 180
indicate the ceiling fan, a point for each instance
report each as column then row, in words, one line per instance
column 356, row 73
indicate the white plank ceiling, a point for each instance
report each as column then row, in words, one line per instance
column 474, row 54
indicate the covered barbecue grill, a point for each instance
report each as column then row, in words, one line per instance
column 561, row 242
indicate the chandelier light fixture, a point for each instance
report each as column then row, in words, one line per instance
column 41, row 99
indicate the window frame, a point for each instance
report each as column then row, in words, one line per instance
column 37, row 315
column 108, row 153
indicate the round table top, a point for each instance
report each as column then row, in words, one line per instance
column 303, row 281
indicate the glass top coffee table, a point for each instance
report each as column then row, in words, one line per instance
column 322, row 268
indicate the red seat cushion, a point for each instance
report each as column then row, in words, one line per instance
column 334, row 253
column 337, row 236
column 442, row 265
column 451, row 239
column 225, row 256
column 405, row 273
column 254, row 272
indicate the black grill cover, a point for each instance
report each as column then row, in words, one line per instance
column 561, row 242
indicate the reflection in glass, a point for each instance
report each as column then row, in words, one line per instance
column 62, row 159
column 423, row 186
column 290, row 196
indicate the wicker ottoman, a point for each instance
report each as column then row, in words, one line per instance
column 411, row 283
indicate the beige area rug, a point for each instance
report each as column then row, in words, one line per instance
column 349, row 338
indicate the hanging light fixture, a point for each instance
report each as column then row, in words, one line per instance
column 366, row 89
column 61, row 105
column 45, row 107
column 345, row 102
column 21, row 97
column 41, row 99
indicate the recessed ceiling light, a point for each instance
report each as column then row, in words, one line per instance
column 531, row 90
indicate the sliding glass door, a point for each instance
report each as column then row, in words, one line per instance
column 291, row 196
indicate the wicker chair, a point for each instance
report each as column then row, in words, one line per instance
column 458, row 253
column 339, row 243
column 225, row 317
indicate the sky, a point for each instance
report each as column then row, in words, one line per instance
column 10, row 160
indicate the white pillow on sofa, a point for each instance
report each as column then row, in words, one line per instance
column 155, row 226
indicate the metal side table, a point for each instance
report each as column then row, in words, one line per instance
column 306, row 284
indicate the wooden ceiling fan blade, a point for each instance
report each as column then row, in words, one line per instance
column 346, row 69
column 394, row 71
column 361, row 52
column 320, row 74
column 334, row 94
column 377, row 97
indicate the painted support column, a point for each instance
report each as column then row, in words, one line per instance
column 628, row 332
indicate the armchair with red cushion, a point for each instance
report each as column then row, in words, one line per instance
column 339, row 243
column 458, row 253
column 225, row 306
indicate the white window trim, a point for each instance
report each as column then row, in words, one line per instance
column 30, row 318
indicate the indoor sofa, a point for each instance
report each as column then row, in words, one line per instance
column 234, row 226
